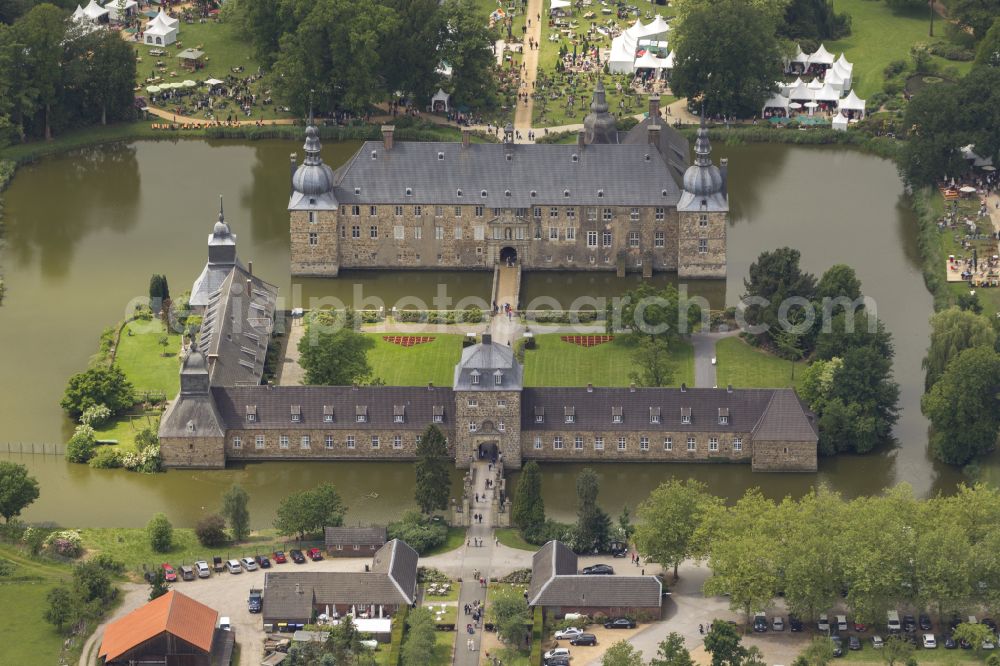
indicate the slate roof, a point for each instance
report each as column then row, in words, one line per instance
column 274, row 404
column 786, row 419
column 236, row 328
column 175, row 613
column 197, row 410
column 551, row 560
column 594, row 408
column 612, row 175
column 486, row 358
column 350, row 536
column 602, row 592
column 399, row 561
column 674, row 148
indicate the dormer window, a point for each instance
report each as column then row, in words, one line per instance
column 685, row 415
column 663, row 193
column 296, row 413
column 539, row 415
column 570, row 414
column 440, row 157
column 483, row 194
column 575, row 158
column 409, row 191
column 509, row 157
column 399, row 413
column 374, row 154
column 506, row 193
column 327, row 413
column 251, row 413
column 361, row 413
column 565, row 193
column 723, row 416
column 654, row 415
column 438, row 413
column 497, row 378
column 616, row 414
column 600, row 194
column 534, row 193
column 458, row 193
column 475, row 376
column 357, row 191
column 190, row 426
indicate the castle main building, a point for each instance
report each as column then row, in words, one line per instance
column 612, row 201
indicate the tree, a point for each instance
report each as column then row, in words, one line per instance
column 847, row 330
column 905, row 6
column 80, row 447
column 625, row 525
column 511, row 616
column 819, row 652
column 953, row 331
column 839, row 282
column 655, row 367
column 418, row 646
column 896, row 650
column 668, row 520
column 593, row 524
column 646, row 311
column 978, row 15
column 418, row 532
column 773, row 279
column 42, row 31
column 211, row 530
column 813, row 21
column 727, row 54
column 158, row 584
column 974, row 634
column 309, row 511
column 528, row 509
column 334, row 354
column 466, row 45
column 622, row 653
column 433, row 470
column 723, row 642
column 964, row 407
column 671, row 652
column 98, row 386
column 344, row 642
column 17, row 489
column 789, row 344
column 160, row 533
column 988, row 51
column 60, row 606
column 236, row 509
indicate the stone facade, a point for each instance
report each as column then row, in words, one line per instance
column 641, row 446
column 702, row 244
column 496, row 419
column 779, row 456
column 315, row 247
column 195, row 452
column 325, row 444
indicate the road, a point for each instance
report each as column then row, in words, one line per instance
column 704, row 352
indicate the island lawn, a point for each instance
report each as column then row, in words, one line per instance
column 150, row 366
column 744, row 366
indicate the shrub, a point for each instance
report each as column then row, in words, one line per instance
column 211, row 530
column 161, row 533
column 95, row 415
column 81, row 445
column 892, row 87
column 106, row 457
column 108, row 563
column 472, row 315
column 65, row 543
column 548, row 531
column 34, row 539
column 142, row 312
column 517, row 577
column 952, row 52
column 893, row 68
column 422, row 535
column 431, row 575
column 98, row 386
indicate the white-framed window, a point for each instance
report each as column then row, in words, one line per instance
column 418, row 233
column 644, row 443
column 438, row 211
column 312, row 217
column 373, row 231
column 355, row 211
column 654, row 417
column 237, row 442
column 659, row 239
column 350, row 442
column 418, row 211
column 713, row 443
column 557, row 442
column 304, row 443
column 479, row 211
column 283, row 441
column 723, row 419
column 598, row 443
column 616, row 418
column 373, row 211
column 591, row 214
column 660, row 213
column 570, row 418
column 501, row 403
column 668, row 443
column 251, row 418
column 475, row 379
column 458, row 211
column 399, row 211
column 398, row 418
column 702, row 219
column 591, row 239
column 472, row 426
column 258, row 442
column 702, row 246
column 633, row 214
column 501, row 427
column 438, row 233
column 361, row 418
column 355, row 231
column 737, row 443
column 472, row 402
column 606, row 239
column 622, row 444
column 328, row 441
column 571, row 233
column 498, row 378
column 439, row 418
column 578, row 443
column 328, row 418
column 375, row 441
column 537, row 212
column 571, row 213
column 607, row 214
column 398, row 232
column 397, row 441
column 538, row 443
column 553, row 233
column 313, row 238
column 633, row 239
column 691, row 444
column 686, row 417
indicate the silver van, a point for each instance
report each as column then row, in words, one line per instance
column 892, row 622
column 841, row 623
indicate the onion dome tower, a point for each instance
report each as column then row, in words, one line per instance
column 599, row 126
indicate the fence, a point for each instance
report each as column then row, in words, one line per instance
column 35, row 448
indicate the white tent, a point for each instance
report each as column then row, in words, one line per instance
column 815, row 84
column 161, row 30
column 821, row 57
column 839, row 122
column 833, row 78
column 801, row 92
column 668, row 62
column 845, row 70
column 622, row 54
column 130, row 7
column 969, row 153
column 852, row 103
column 827, row 94
column 440, row 97
column 777, row 101
column 94, row 11
column 800, row 57
column 650, row 61
column 561, row 7
column 79, row 14
column 655, row 27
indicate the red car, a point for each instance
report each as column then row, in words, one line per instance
column 859, row 627
column 169, row 574
column 279, row 557
column 315, row 554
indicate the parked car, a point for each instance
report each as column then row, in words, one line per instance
column 964, row 644
column 618, row 549
column 256, row 600
column 249, row 564
column 263, row 561
column 990, row 643
column 620, row 623
column 315, row 554
column 823, row 624
column 169, row 574
column 234, row 567
column 279, row 557
column 860, row 627
column 892, row 622
column 988, row 621
column 201, row 566
column 929, row 642
column 954, row 621
column 841, row 623
column 557, row 661
column 853, row 643
column 949, row 642
column 187, row 573
column 924, row 622
column 583, row 639
column 778, row 624
column 759, row 623
column 297, row 556
column 218, row 564
column 838, row 646
column 909, row 623
column 556, row 652
column 877, row 642
column 794, row 623
column 569, row 632
column 599, row 570
column 225, row 623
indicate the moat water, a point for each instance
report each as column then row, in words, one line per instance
column 85, row 231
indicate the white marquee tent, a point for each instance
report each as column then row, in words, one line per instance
column 777, row 101
column 561, row 7
column 130, row 7
column 161, row 30
column 800, row 57
column 852, row 103
column 815, row 84
column 839, row 122
column 440, row 97
column 821, row 57
column 655, row 27
column 801, row 93
column 827, row 94
column 622, row 59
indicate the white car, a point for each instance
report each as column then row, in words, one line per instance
column 823, row 624
column 225, row 624
column 569, row 632
column 370, row 644
column 234, row 567
column 929, row 641
column 249, row 564
column 778, row 624
column 557, row 652
column 201, row 566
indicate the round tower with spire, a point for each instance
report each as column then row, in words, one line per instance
column 703, row 214
column 312, row 209
column 599, row 125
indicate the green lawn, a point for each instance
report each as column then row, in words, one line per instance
column 415, row 366
column 869, row 655
column 967, row 208
column 511, row 537
column 124, row 429
column 880, row 36
column 744, row 366
column 558, row 363
column 444, row 642
column 141, row 357
column 26, row 637
column 456, row 539
column 452, row 594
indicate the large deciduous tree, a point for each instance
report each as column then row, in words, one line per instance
column 17, row 489
column 773, row 279
column 418, row 646
column 671, row 652
column 433, row 471
column 724, row 644
column 466, row 47
column 622, row 653
column 98, row 386
column 977, row 15
column 593, row 525
column 953, row 331
column 236, row 509
column 309, row 511
column 333, row 353
column 668, row 521
column 727, row 53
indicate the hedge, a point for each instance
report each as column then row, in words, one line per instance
column 929, row 246
column 396, row 637
column 563, row 316
column 537, row 630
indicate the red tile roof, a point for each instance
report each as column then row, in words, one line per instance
column 174, row 612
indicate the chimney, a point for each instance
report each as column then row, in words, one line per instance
column 466, row 137
column 487, row 339
column 654, row 108
column 430, row 386
column 729, row 388
column 293, row 158
column 653, row 135
column 250, row 267
column 631, row 387
column 684, row 388
column 581, row 139
column 724, row 172
column 387, row 131
column 590, row 387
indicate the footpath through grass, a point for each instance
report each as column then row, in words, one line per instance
column 744, row 366
column 26, row 637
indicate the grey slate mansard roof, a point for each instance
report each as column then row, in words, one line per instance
column 485, row 360
column 349, row 536
column 399, row 562
column 611, row 175
column 673, row 146
column 552, row 559
column 274, row 405
column 555, row 582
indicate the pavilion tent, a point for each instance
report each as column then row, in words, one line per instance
column 95, row 12
column 833, row 79
column 969, row 153
column 561, row 7
column 852, row 103
column 655, row 27
column 821, row 57
column 442, row 98
column 845, row 69
column 827, row 94
column 800, row 57
column 79, row 14
column 839, row 122
column 161, row 30
column 649, row 61
column 622, row 54
column 668, row 62
column 130, row 7
column 777, row 101
column 815, row 84
column 801, row 92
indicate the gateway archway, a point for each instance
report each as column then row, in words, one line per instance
column 508, row 255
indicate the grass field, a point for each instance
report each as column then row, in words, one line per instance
column 124, row 429
column 880, row 36
column 25, row 636
column 744, row 366
column 511, row 537
column 989, row 297
column 558, row 363
column 415, row 366
column 140, row 356
column 456, row 538
column 869, row 655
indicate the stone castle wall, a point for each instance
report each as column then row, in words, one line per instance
column 314, row 243
column 197, row 452
column 497, row 418
column 243, row 444
column 698, row 259
column 784, row 457
column 660, row 446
